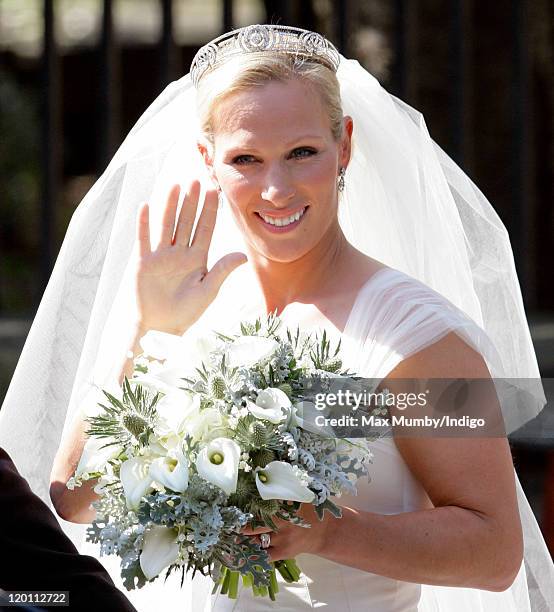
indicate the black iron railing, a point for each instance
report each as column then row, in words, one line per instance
column 403, row 83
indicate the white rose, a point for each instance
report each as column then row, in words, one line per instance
column 271, row 404
column 247, row 351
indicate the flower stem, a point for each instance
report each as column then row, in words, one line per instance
column 225, row 583
column 233, row 584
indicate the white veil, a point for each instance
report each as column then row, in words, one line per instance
column 406, row 203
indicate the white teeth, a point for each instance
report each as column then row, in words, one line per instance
column 285, row 221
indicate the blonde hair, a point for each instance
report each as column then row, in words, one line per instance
column 257, row 69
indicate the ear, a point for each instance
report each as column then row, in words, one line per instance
column 346, row 142
column 206, row 150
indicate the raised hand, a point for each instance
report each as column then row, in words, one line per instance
column 173, row 284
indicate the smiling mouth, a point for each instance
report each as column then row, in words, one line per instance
column 283, row 221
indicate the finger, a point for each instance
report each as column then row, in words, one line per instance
column 187, row 215
column 206, row 222
column 221, row 270
column 143, row 230
column 278, row 553
column 168, row 219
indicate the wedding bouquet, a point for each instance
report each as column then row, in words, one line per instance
column 207, row 437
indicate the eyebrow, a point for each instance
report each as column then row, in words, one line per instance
column 291, row 144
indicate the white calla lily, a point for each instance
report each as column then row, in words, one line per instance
column 271, row 404
column 218, row 463
column 136, row 480
column 160, row 549
column 278, row 480
column 171, row 471
column 247, row 351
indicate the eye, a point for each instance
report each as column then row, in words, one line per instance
column 242, row 159
column 303, row 152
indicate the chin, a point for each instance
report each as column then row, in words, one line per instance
column 282, row 253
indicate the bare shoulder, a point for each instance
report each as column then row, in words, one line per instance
column 469, row 471
column 449, row 357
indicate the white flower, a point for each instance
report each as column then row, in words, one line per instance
column 188, row 350
column 160, row 345
column 174, row 409
column 171, row 471
column 94, row 458
column 218, row 463
column 247, row 351
column 180, row 354
column 278, row 480
column 270, row 405
column 136, row 480
column 205, row 424
column 160, row 549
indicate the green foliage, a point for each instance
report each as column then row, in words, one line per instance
column 126, row 420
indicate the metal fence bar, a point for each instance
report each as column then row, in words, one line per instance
column 51, row 145
column 459, row 79
column 227, row 15
column 404, row 70
column 521, row 209
column 342, row 26
column 168, row 50
column 109, row 88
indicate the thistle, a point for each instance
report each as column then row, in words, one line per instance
column 218, row 387
column 259, row 434
column 246, row 489
column 131, row 417
column 333, row 365
column 286, row 388
column 135, row 424
column 266, row 506
column 262, row 457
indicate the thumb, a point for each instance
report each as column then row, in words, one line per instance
column 222, row 268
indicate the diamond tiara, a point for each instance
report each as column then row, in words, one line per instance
column 260, row 38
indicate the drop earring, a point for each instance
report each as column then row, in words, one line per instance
column 341, row 182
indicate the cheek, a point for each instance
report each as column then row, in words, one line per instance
column 318, row 176
column 236, row 186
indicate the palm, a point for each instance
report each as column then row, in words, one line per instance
column 173, row 284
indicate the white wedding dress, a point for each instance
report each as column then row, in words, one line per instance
column 392, row 317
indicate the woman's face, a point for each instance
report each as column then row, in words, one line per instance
column 277, row 163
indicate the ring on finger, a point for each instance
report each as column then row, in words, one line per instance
column 265, row 540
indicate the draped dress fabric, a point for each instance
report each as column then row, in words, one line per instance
column 392, row 317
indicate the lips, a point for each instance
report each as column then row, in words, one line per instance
column 282, row 223
column 283, row 220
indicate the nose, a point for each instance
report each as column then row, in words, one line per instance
column 278, row 187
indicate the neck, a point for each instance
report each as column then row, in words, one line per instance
column 301, row 280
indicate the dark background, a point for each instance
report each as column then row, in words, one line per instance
column 75, row 75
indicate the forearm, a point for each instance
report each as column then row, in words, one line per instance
column 126, row 368
column 445, row 546
column 75, row 504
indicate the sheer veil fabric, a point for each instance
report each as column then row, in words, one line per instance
column 406, row 203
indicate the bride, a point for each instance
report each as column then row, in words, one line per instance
column 321, row 196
